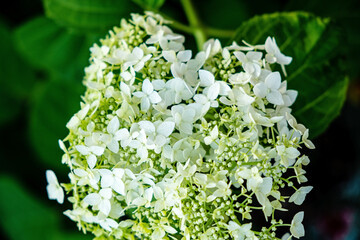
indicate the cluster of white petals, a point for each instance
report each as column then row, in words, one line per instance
column 174, row 145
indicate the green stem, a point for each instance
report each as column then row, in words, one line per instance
column 195, row 23
column 213, row 32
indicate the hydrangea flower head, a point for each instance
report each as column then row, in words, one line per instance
column 174, row 145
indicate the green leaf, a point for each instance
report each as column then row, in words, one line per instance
column 52, row 48
column 314, row 71
column 54, row 104
column 17, row 78
column 88, row 15
column 24, row 217
column 150, row 4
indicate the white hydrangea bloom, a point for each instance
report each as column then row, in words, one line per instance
column 169, row 144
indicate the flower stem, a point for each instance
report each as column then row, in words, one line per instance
column 195, row 23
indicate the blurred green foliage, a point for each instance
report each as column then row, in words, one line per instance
column 45, row 47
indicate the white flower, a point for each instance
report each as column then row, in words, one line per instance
column 91, row 153
column 289, row 96
column 181, row 56
column 270, row 89
column 212, row 88
column 287, row 155
column 293, row 123
column 158, row 133
column 241, row 232
column 237, row 96
column 297, row 229
column 213, row 136
column 307, row 141
column 113, row 179
column 299, row 196
column 274, row 54
column 223, row 190
column 114, row 134
column 129, row 76
column 251, row 62
column 240, row 78
column 175, row 91
column 148, row 95
column 54, row 190
column 185, row 116
column 136, row 59
column 89, row 177
column 100, row 201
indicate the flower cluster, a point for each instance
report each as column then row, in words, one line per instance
column 168, row 145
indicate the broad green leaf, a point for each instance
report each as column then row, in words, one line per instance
column 314, row 71
column 54, row 104
column 16, row 79
column 149, row 4
column 24, row 217
column 88, row 15
column 52, row 48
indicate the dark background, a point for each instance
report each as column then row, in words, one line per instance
column 35, row 107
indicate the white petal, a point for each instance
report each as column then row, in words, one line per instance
column 113, row 146
column 119, row 186
column 206, row 78
column 51, row 177
column 106, row 193
column 138, row 52
column 282, row 59
column 184, row 56
column 107, row 181
column 186, row 128
column 145, row 104
column 122, row 134
column 169, row 229
column 147, row 87
column 273, row 80
column 160, row 140
column 158, row 234
column 270, row 45
column 154, row 97
column 240, row 56
column 91, row 160
column 170, row 55
column 213, row 91
column 166, row 128
column 254, row 56
column 275, row 98
column 243, row 99
column 188, row 114
column 105, row 206
column 142, row 152
column 62, row 145
column 158, row 84
column 98, row 151
column 148, row 126
column 260, row 90
column 297, row 229
column 114, row 125
column 125, row 88
column 82, row 149
column 92, row 199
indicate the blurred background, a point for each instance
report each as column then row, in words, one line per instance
column 42, row 62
